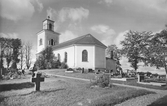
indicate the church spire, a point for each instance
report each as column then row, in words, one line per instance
column 48, row 24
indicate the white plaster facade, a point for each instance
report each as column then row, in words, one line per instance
column 96, row 56
column 46, row 35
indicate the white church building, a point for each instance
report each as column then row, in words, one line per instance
column 85, row 51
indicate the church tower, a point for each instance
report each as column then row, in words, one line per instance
column 47, row 36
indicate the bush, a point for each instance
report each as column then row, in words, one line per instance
column 70, row 69
column 102, row 81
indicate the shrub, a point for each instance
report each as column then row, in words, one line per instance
column 79, row 68
column 102, row 81
column 90, row 70
column 70, row 69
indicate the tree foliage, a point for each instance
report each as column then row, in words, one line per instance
column 16, row 45
column 28, row 48
column 47, row 60
column 134, row 46
column 157, row 50
column 9, row 52
column 3, row 44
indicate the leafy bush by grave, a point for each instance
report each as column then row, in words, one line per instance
column 101, row 81
column 12, row 74
column 90, row 70
column 79, row 68
column 70, row 69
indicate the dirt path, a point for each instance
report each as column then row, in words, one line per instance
column 138, row 101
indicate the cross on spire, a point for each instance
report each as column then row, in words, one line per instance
column 48, row 17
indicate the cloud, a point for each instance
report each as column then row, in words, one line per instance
column 147, row 5
column 106, row 33
column 19, row 9
column 103, row 29
column 120, row 38
column 9, row 35
column 67, row 35
column 38, row 5
column 107, row 2
column 75, row 14
column 159, row 5
column 51, row 13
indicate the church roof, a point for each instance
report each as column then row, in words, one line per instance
column 84, row 40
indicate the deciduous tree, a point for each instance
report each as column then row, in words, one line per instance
column 46, row 59
column 28, row 48
column 157, row 51
column 16, row 45
column 134, row 45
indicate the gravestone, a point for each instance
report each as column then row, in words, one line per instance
column 82, row 70
column 140, row 78
column 37, row 81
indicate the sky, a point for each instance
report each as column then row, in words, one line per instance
column 107, row 20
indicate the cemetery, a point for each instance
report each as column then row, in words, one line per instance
column 121, row 76
column 148, row 81
column 64, row 91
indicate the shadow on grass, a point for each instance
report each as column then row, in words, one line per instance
column 2, row 98
column 119, row 97
column 43, row 92
column 15, row 86
column 160, row 102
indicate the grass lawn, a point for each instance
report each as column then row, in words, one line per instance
column 160, row 102
column 92, row 76
column 75, row 74
column 67, row 92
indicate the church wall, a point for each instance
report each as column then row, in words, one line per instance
column 51, row 35
column 90, row 63
column 41, row 35
column 100, row 61
column 70, row 55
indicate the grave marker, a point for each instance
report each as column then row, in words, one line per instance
column 37, row 81
column 140, row 78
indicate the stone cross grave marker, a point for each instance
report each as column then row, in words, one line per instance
column 37, row 81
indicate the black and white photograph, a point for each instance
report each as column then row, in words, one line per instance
column 83, row 52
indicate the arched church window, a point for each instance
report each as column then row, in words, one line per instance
column 52, row 42
column 65, row 57
column 58, row 56
column 40, row 42
column 50, row 26
column 84, row 55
